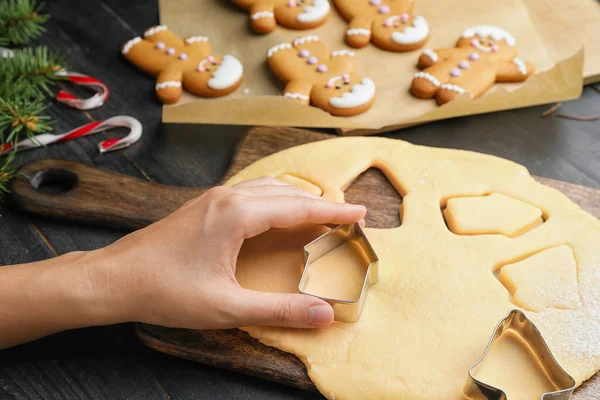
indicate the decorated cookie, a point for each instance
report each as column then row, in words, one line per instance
column 389, row 24
column 181, row 63
column 325, row 80
column 483, row 55
column 292, row 14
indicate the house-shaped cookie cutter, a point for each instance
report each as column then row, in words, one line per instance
column 343, row 310
column 517, row 321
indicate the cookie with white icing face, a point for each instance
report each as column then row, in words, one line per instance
column 483, row 55
column 183, row 64
column 265, row 15
column 315, row 76
column 389, row 24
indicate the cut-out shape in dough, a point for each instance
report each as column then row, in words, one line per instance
column 492, row 214
column 547, row 279
column 301, row 183
column 374, row 190
column 513, row 366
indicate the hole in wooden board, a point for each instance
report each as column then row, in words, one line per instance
column 54, row 181
column 374, row 190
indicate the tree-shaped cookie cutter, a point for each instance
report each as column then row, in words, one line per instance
column 517, row 321
column 343, row 310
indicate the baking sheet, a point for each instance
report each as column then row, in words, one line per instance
column 259, row 101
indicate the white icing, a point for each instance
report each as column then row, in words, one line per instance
column 359, row 95
column 155, row 30
column 427, row 76
column 314, row 13
column 130, row 44
column 296, row 96
column 336, row 53
column 520, row 65
column 168, row 84
column 305, row 39
column 431, row 54
column 490, row 31
column 453, row 88
column 278, row 47
column 227, row 74
column 262, row 14
column 358, row 31
column 194, row 39
column 413, row 34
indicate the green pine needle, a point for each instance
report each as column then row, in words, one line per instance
column 20, row 21
column 7, row 172
column 37, row 66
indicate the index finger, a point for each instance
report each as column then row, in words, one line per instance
column 264, row 213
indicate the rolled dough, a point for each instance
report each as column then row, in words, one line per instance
column 438, row 300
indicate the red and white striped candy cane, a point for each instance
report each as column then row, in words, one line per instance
column 71, row 100
column 135, row 133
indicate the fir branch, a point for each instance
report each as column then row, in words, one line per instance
column 37, row 66
column 7, row 172
column 20, row 21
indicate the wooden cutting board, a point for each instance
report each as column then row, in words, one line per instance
column 73, row 191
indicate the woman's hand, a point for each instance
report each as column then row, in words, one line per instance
column 180, row 271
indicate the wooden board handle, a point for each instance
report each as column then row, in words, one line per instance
column 77, row 192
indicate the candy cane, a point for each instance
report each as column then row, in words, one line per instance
column 135, row 133
column 71, row 100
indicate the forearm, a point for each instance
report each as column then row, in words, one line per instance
column 67, row 292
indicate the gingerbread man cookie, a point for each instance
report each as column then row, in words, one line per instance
column 483, row 55
column 188, row 63
column 389, row 24
column 292, row 14
column 315, row 76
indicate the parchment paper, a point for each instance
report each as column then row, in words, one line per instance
column 559, row 22
column 259, row 101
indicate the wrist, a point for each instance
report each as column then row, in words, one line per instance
column 79, row 284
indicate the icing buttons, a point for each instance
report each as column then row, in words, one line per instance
column 464, row 64
column 322, row 68
column 170, row 51
column 474, row 56
column 375, row 2
column 160, row 45
column 312, row 60
column 384, row 9
column 304, row 53
column 455, row 72
column 183, row 57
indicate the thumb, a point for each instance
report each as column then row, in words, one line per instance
column 281, row 309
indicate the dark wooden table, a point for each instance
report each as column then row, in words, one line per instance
column 109, row 362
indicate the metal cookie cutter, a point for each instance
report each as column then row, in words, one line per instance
column 343, row 310
column 517, row 321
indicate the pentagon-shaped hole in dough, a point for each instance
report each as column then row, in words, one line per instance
column 302, row 183
column 490, row 214
column 545, row 279
column 374, row 189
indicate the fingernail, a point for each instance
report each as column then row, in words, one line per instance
column 321, row 315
